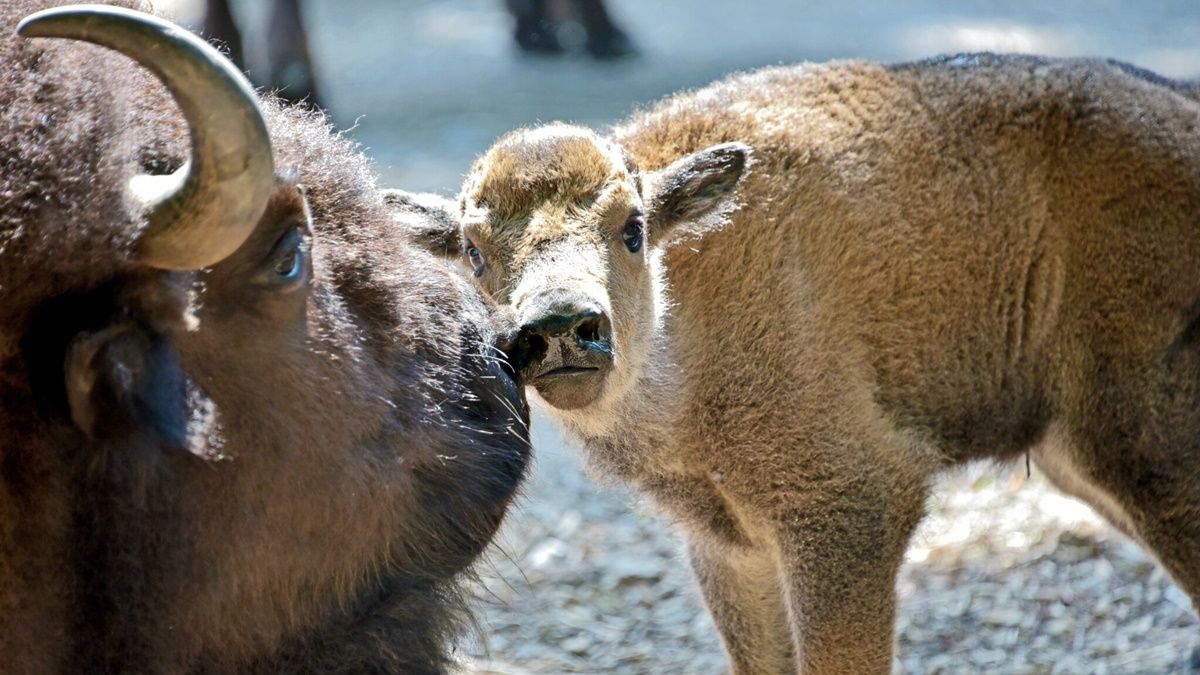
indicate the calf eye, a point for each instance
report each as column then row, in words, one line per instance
column 635, row 232
column 476, row 258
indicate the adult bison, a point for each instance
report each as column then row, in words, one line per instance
column 971, row 257
column 244, row 425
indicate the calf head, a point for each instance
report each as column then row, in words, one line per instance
column 245, row 425
column 560, row 224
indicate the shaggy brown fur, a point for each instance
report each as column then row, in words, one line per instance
column 219, row 471
column 970, row 257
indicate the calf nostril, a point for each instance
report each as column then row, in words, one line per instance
column 524, row 350
column 588, row 330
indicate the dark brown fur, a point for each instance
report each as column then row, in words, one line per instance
column 290, row 480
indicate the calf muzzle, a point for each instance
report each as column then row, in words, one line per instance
column 564, row 347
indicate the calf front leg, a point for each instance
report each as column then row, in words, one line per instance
column 742, row 588
column 739, row 575
column 841, row 547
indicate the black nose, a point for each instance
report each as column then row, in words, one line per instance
column 559, row 315
column 564, row 316
column 564, row 322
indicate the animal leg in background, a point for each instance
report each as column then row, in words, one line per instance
column 289, row 63
column 220, row 27
column 538, row 24
column 291, row 68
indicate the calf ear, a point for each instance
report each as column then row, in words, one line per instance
column 431, row 220
column 694, row 188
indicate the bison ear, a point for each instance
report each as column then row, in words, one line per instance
column 431, row 220
column 697, row 188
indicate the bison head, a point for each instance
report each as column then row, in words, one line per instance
column 244, row 423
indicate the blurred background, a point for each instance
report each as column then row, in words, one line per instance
column 428, row 84
column 1006, row 576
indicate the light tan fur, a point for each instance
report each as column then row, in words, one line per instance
column 931, row 263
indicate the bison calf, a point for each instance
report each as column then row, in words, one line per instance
column 245, row 426
column 969, row 257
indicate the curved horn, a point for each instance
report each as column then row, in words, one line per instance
column 203, row 212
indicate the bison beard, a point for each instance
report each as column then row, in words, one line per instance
column 228, row 470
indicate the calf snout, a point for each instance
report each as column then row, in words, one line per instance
column 565, row 343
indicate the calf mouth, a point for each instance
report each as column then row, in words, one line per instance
column 566, row 371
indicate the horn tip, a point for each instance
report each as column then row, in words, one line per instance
column 28, row 27
column 53, row 21
column 41, row 23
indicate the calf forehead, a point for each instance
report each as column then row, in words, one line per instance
column 541, row 178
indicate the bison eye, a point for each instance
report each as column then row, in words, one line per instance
column 476, row 257
column 285, row 264
column 634, row 233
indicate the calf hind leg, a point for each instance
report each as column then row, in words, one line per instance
column 1153, row 497
column 1134, row 455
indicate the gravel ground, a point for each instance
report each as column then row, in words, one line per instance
column 1006, row 575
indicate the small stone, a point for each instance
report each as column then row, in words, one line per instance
column 577, row 644
column 986, row 657
column 1178, row 598
column 568, row 524
column 621, row 569
column 1058, row 627
column 1003, row 617
column 546, row 551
